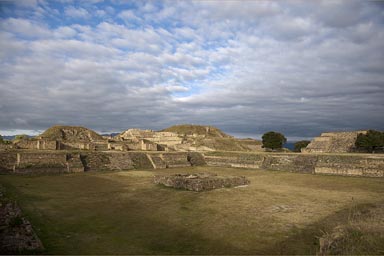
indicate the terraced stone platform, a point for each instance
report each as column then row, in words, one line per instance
column 200, row 181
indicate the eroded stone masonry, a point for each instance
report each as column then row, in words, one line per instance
column 333, row 142
column 205, row 138
column 62, row 149
column 200, row 181
column 370, row 165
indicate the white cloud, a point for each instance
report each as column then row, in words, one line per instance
column 76, row 13
column 25, row 28
column 246, row 67
column 128, row 15
column 64, row 32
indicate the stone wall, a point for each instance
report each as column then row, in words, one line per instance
column 26, row 144
column 173, row 159
column 164, row 138
column 200, row 181
column 74, row 163
column 47, row 144
column 369, row 165
column 365, row 165
column 95, row 161
column 4, row 146
column 157, row 161
column 16, row 234
column 75, row 145
column 290, row 162
column 41, row 163
column 196, row 159
column 7, row 161
column 242, row 160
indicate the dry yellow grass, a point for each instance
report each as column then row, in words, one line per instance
column 125, row 213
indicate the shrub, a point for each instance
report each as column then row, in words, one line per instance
column 300, row 144
column 370, row 141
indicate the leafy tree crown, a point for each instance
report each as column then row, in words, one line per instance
column 273, row 140
column 370, row 141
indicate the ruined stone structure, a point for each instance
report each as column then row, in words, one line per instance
column 165, row 138
column 337, row 142
column 76, row 149
column 24, row 162
column 149, row 140
column 64, row 138
column 74, row 137
column 200, row 181
column 369, row 165
column 16, row 234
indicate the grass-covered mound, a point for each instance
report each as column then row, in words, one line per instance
column 213, row 138
column 190, row 129
column 71, row 133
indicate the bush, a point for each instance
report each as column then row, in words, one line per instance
column 273, row 140
column 300, row 144
column 371, row 141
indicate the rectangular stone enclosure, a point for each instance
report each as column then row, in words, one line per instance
column 200, row 181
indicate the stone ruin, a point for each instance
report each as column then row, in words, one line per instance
column 200, row 181
column 16, row 233
column 333, row 142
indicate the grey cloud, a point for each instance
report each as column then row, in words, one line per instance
column 246, row 67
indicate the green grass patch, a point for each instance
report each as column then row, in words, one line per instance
column 125, row 213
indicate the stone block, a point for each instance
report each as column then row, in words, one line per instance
column 200, row 181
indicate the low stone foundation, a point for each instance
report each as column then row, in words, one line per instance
column 200, row 181
column 16, row 233
column 368, row 165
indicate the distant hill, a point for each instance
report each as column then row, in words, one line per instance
column 113, row 134
column 189, row 129
column 71, row 133
column 12, row 137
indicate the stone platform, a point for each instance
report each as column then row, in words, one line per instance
column 200, row 181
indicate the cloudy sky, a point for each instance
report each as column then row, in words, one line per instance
column 247, row 67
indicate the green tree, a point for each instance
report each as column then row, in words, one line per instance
column 1, row 139
column 300, row 144
column 370, row 141
column 273, row 140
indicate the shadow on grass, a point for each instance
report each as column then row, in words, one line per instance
column 106, row 213
column 93, row 215
column 306, row 241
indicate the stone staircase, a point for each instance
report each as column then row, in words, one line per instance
column 333, row 142
column 176, row 160
column 157, row 161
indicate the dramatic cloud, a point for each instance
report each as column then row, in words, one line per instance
column 248, row 67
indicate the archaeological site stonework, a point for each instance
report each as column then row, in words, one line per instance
column 63, row 149
column 333, row 142
column 199, row 182
column 370, row 165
